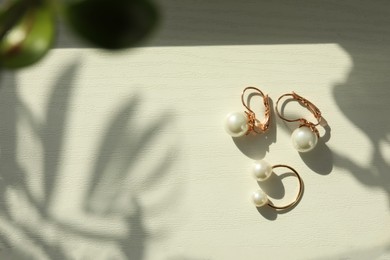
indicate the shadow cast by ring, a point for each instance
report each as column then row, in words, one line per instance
column 274, row 188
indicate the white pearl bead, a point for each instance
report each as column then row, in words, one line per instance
column 259, row 198
column 236, row 124
column 262, row 170
column 304, row 139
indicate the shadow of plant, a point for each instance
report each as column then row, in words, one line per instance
column 363, row 99
column 28, row 227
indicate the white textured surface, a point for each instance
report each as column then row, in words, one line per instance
column 125, row 157
column 146, row 171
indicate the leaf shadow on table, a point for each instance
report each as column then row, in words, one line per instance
column 29, row 227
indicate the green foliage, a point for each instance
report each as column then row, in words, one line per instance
column 29, row 37
column 28, row 27
column 113, row 24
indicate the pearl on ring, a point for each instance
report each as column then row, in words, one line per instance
column 259, row 198
column 236, row 124
column 304, row 139
column 262, row 170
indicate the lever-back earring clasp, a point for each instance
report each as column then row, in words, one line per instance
column 309, row 105
column 253, row 123
column 305, row 137
column 242, row 123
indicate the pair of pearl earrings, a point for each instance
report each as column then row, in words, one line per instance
column 304, row 139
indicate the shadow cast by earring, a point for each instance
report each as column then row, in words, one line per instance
column 255, row 146
column 320, row 159
column 326, row 137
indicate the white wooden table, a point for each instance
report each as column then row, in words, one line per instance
column 124, row 156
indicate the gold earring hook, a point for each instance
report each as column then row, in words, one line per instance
column 309, row 105
column 300, row 191
column 253, row 123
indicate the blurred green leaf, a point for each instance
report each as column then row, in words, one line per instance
column 26, row 34
column 112, row 24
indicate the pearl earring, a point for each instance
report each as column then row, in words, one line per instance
column 242, row 123
column 262, row 170
column 305, row 137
